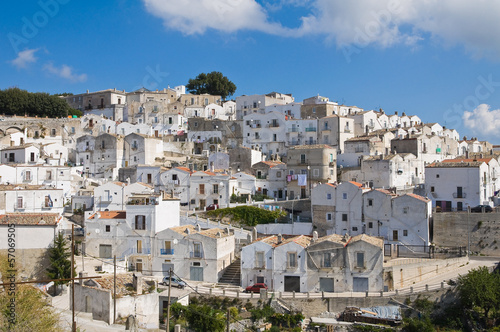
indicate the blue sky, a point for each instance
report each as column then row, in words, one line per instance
column 437, row 59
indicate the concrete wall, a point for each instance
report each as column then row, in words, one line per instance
column 96, row 301
column 405, row 272
column 452, row 229
column 30, row 263
column 289, row 229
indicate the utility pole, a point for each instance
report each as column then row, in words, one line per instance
column 114, row 289
column 227, row 318
column 168, row 302
column 73, row 326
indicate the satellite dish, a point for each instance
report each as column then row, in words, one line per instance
column 97, row 231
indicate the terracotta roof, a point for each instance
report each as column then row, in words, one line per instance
column 356, row 184
column 302, row 240
column 331, row 184
column 333, row 238
column 423, row 199
column 378, row 242
column 385, row 191
column 145, row 184
column 185, row 169
column 455, row 164
column 109, row 215
column 17, row 147
column 45, row 219
column 459, row 160
column 272, row 164
column 311, row 147
column 212, row 232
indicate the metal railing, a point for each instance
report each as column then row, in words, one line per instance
column 167, row 251
column 196, row 254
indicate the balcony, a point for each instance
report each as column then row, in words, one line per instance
column 459, row 195
column 195, row 254
column 47, row 206
column 311, row 129
column 137, row 251
column 142, row 201
column 293, row 130
column 167, row 251
column 274, row 125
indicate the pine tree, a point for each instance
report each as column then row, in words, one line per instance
column 60, row 261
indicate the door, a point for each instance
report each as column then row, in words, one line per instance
column 156, row 133
column 360, row 284
column 196, row 273
column 326, row 284
column 459, row 192
column 292, row 284
column 138, row 266
column 105, row 251
column 395, row 235
column 460, row 206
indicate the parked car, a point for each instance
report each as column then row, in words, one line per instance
column 479, row 208
column 176, row 282
column 255, row 288
column 212, row 207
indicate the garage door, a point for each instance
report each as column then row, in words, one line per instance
column 360, row 284
column 196, row 273
column 105, row 251
column 326, row 284
column 292, row 284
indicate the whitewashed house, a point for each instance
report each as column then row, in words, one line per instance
column 113, row 196
column 208, row 188
column 194, row 253
column 270, row 179
column 31, row 199
column 178, row 180
column 22, row 154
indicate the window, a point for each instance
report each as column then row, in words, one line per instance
column 370, row 225
column 360, row 260
column 170, row 120
column 32, row 156
column 48, row 175
column 202, row 189
column 20, row 204
column 405, row 232
column 405, row 210
column 73, row 130
column 27, row 176
column 302, row 158
column 344, row 216
column 327, row 259
column 150, row 178
column 103, row 145
column 52, row 132
column 216, row 188
column 395, row 236
column 354, row 229
column 370, row 202
column 432, row 189
column 331, row 156
column 197, row 250
column 437, row 176
column 174, row 177
column 139, row 246
column 140, row 222
column 292, row 260
column 274, row 137
column 328, row 196
column 259, row 260
column 344, row 195
column 316, row 172
column 329, row 217
column 278, row 174
column 108, row 228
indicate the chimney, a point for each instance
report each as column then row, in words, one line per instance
column 198, row 227
column 254, row 234
column 396, row 112
column 280, row 238
column 315, row 236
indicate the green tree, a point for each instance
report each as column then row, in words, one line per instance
column 60, row 261
column 32, row 312
column 204, row 318
column 480, row 289
column 14, row 101
column 213, row 83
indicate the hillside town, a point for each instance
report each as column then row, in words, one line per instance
column 369, row 202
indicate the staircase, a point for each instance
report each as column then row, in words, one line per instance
column 232, row 275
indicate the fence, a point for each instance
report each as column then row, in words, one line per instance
column 415, row 251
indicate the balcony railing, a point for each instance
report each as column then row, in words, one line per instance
column 274, row 125
column 196, row 254
column 137, row 251
column 167, row 251
column 293, row 130
column 459, row 195
column 310, row 129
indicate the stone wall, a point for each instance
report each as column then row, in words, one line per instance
column 452, row 229
column 30, row 263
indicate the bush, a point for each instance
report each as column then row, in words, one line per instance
column 248, row 215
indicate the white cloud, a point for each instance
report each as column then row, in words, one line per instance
column 24, row 58
column 196, row 16
column 65, row 72
column 473, row 24
column 482, row 120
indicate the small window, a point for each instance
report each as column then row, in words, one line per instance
column 405, row 210
column 327, row 259
column 292, row 260
column 360, row 260
column 108, row 228
column 278, row 174
column 370, row 225
column 344, row 216
column 328, row 196
column 370, row 202
column 329, row 217
column 437, row 175
column 354, row 229
column 344, row 195
column 432, row 189
column 140, row 222
column 405, row 232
